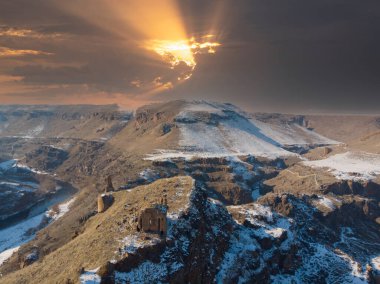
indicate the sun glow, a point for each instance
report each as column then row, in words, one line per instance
column 154, row 26
column 182, row 51
column 174, row 52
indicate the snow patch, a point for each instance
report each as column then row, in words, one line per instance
column 231, row 137
column 35, row 131
column 242, row 243
column 19, row 165
column 318, row 265
column 62, row 209
column 218, row 130
column 13, row 237
column 376, row 263
column 132, row 243
column 56, row 147
column 7, row 165
column 147, row 272
column 90, row 277
column 325, row 202
column 201, row 106
column 292, row 134
column 257, row 210
column 5, row 255
column 275, row 232
column 350, row 165
column 149, row 175
column 175, row 215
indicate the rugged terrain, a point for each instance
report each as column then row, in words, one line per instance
column 253, row 198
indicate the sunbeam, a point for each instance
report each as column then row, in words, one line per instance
column 154, row 26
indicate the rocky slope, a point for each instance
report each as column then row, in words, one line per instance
column 79, row 122
column 253, row 198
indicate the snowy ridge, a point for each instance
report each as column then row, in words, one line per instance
column 292, row 134
column 272, row 226
column 323, row 259
column 231, row 135
column 222, row 130
column 244, row 242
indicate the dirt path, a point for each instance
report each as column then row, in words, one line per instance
column 311, row 175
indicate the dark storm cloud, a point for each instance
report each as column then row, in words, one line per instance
column 283, row 55
column 296, row 56
column 109, row 75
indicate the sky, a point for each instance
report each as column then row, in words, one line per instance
column 281, row 56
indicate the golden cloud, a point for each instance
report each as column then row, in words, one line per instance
column 156, row 26
column 9, row 52
column 10, row 78
column 176, row 52
column 21, row 32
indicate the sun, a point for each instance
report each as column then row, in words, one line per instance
column 175, row 52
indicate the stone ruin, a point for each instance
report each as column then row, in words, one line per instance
column 153, row 219
column 109, row 187
column 326, row 151
column 104, row 202
column 106, row 199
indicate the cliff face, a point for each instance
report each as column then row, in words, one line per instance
column 273, row 239
column 210, row 242
column 80, row 122
column 196, row 240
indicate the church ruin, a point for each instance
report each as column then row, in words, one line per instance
column 153, row 219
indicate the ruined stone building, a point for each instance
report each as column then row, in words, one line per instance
column 153, row 220
column 109, row 187
column 105, row 200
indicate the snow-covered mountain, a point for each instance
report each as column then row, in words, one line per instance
column 219, row 130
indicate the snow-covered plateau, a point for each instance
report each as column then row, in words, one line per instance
column 222, row 130
column 350, row 165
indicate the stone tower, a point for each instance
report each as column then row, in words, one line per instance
column 109, row 186
column 104, row 202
